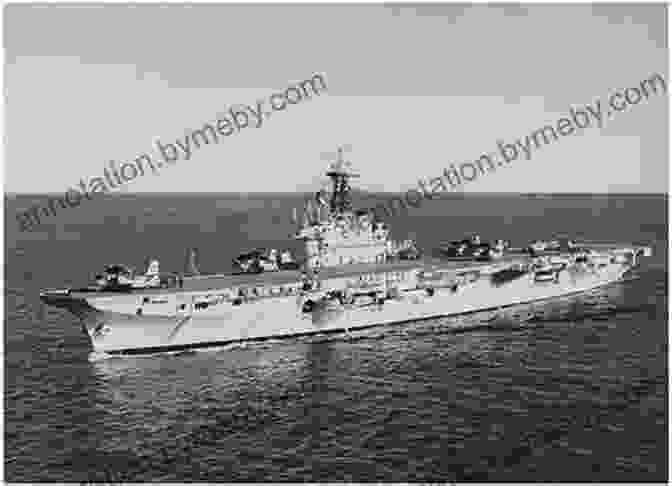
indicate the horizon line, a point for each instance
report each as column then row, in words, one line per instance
column 460, row 193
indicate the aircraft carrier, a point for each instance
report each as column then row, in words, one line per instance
column 349, row 275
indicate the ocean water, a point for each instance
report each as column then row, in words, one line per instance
column 577, row 391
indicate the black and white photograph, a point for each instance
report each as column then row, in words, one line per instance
column 336, row 242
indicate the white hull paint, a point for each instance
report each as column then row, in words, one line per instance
column 120, row 330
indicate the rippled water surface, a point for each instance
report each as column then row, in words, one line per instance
column 570, row 390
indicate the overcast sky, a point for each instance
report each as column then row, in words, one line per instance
column 410, row 88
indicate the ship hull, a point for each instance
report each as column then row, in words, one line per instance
column 115, row 327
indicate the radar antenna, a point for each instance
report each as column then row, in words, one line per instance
column 340, row 173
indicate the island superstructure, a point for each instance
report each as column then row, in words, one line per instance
column 349, row 275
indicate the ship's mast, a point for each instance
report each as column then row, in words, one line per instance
column 340, row 173
column 343, row 237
